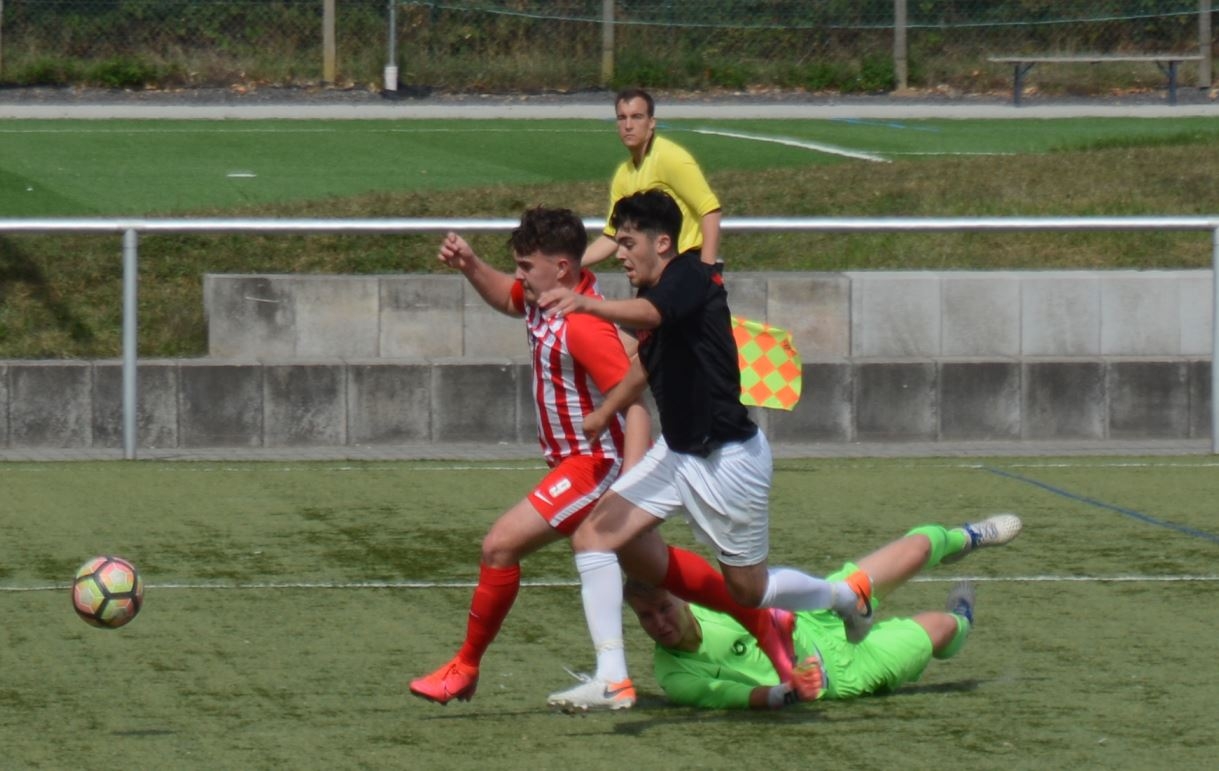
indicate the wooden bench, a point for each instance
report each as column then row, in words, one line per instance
column 1166, row 62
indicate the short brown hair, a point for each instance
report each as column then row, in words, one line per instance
column 634, row 588
column 554, row 232
column 627, row 94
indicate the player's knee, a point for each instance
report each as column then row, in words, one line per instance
column 585, row 539
column 746, row 593
column 499, row 553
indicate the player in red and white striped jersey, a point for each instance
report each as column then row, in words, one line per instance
column 576, row 360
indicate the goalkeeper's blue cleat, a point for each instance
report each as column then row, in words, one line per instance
column 961, row 600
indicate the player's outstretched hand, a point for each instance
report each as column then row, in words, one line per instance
column 455, row 252
column 561, row 301
column 808, row 679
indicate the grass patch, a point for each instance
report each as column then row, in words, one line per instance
column 59, row 295
column 264, row 675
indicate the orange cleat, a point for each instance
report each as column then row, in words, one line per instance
column 858, row 621
column 454, row 680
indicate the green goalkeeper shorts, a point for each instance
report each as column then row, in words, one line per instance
column 895, row 652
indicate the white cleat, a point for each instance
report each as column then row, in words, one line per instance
column 995, row 530
column 593, row 693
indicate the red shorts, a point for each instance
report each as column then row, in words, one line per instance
column 568, row 493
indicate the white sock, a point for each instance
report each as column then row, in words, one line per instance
column 601, row 589
column 792, row 590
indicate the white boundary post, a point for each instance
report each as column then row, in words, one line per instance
column 391, row 55
column 131, row 271
column 1215, row 343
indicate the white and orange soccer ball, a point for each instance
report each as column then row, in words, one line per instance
column 107, row 592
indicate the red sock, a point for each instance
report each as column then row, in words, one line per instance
column 693, row 579
column 493, row 598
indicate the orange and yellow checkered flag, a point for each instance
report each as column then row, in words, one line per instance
column 771, row 373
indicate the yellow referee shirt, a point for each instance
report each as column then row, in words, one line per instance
column 669, row 167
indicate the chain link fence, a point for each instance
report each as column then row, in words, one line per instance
column 563, row 45
column 131, row 43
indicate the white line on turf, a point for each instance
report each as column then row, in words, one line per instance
column 408, row 466
column 358, row 585
column 953, row 153
column 1098, row 465
column 224, row 129
column 204, row 467
column 791, row 142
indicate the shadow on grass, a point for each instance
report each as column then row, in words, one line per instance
column 16, row 267
column 652, row 712
column 959, row 686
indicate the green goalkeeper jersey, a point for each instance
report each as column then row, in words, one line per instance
column 721, row 673
column 729, row 664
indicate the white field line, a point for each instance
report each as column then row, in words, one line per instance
column 405, row 466
column 800, row 143
column 1095, row 465
column 952, row 153
column 203, row 467
column 222, row 129
column 359, row 585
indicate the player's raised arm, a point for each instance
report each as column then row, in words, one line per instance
column 710, row 226
column 495, row 287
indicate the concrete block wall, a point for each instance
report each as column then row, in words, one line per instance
column 198, row 403
column 214, row 403
column 1030, row 314
column 919, row 356
column 882, row 314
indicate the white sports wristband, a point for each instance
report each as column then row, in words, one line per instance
column 780, row 696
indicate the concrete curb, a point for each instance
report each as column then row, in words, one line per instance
column 527, row 452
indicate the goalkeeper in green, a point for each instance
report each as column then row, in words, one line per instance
column 705, row 659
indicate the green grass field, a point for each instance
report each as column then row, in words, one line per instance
column 59, row 293
column 288, row 604
column 112, row 168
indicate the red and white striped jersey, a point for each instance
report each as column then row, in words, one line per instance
column 577, row 358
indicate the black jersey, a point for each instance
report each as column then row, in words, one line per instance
column 691, row 359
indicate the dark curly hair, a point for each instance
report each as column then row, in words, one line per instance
column 651, row 211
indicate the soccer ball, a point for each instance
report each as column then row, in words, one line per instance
column 107, row 592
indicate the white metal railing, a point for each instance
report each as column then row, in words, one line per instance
column 130, row 228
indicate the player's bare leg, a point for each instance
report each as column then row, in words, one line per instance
column 518, row 532
column 949, row 630
column 928, row 545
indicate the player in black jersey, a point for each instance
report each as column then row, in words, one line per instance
column 711, row 463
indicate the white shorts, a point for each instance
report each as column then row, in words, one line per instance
column 726, row 496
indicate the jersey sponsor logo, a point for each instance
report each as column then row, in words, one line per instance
column 559, row 487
